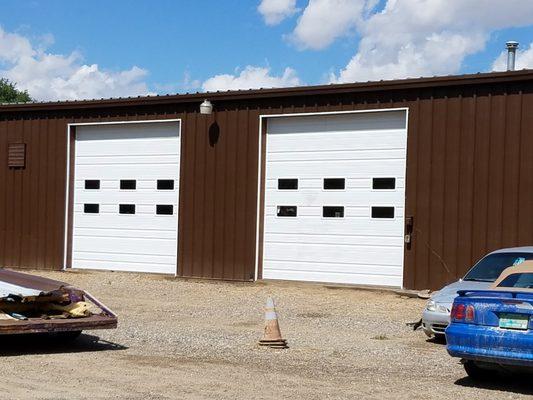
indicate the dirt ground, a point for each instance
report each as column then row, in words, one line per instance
column 197, row 340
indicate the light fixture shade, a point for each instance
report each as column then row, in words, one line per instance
column 206, row 107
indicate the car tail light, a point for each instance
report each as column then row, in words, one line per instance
column 458, row 312
column 470, row 313
column 463, row 313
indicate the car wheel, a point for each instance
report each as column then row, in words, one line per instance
column 475, row 372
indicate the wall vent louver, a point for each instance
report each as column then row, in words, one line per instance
column 16, row 155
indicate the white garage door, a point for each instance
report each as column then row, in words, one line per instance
column 126, row 197
column 334, row 198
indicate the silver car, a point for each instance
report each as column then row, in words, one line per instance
column 436, row 315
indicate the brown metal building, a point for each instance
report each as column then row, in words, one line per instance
column 468, row 180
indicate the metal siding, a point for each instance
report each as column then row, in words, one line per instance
column 466, row 168
column 469, row 175
column 451, row 184
column 525, row 185
column 227, row 230
column 421, row 238
column 187, row 197
column 481, row 175
column 511, row 169
column 411, row 176
column 4, row 187
column 440, row 265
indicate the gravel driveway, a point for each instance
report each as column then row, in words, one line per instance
column 182, row 339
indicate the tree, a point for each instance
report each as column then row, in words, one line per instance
column 10, row 94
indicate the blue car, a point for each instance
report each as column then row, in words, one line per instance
column 493, row 329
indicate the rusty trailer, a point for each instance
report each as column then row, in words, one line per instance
column 33, row 304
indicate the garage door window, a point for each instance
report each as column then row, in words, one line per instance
column 92, row 184
column 128, row 184
column 288, row 184
column 333, row 212
column 164, row 209
column 382, row 212
column 165, row 184
column 126, row 209
column 334, row 183
column 383, row 183
column 91, row 208
column 287, row 211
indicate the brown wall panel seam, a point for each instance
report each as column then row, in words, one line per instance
column 458, row 186
column 520, row 155
column 489, row 136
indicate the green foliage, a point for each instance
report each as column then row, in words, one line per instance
column 10, row 94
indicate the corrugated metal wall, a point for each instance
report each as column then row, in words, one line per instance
column 32, row 199
column 469, row 177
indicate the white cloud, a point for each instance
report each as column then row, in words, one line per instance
column 48, row 76
column 323, row 21
column 524, row 59
column 275, row 11
column 410, row 38
column 251, row 78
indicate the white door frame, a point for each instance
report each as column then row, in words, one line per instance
column 68, row 188
column 262, row 120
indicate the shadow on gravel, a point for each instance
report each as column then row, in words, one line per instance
column 19, row 345
column 437, row 340
column 519, row 384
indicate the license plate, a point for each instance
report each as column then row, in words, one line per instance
column 514, row 321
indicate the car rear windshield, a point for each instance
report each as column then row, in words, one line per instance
column 489, row 268
column 519, row 280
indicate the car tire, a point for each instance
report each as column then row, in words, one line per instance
column 475, row 372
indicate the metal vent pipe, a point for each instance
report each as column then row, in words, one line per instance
column 511, row 54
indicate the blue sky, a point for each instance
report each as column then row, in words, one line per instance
column 180, row 45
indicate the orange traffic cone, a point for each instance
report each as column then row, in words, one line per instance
column 272, row 337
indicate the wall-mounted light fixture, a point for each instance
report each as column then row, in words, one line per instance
column 206, row 107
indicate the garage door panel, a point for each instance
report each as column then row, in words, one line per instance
column 114, row 184
column 356, row 227
column 334, row 141
column 355, row 246
column 126, row 233
column 131, row 245
column 349, row 268
column 338, row 122
column 351, row 198
column 128, row 148
column 165, row 158
column 353, row 253
column 138, row 239
column 114, row 256
column 333, row 277
column 129, row 266
column 333, row 155
column 335, row 168
column 362, row 184
column 143, row 212
column 117, row 197
column 323, row 238
column 118, row 172
column 358, row 212
column 114, row 220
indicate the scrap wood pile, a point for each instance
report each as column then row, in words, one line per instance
column 57, row 304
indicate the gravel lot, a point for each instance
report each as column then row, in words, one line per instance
column 182, row 339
